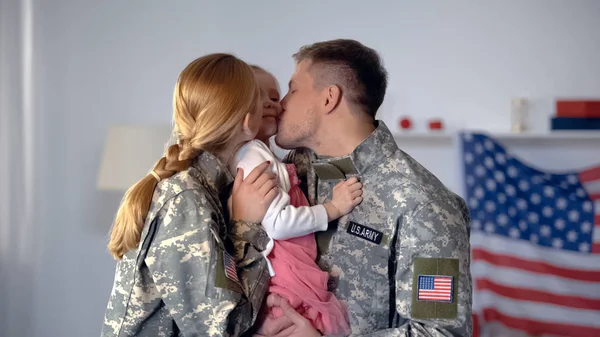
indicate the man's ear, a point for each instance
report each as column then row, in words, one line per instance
column 333, row 97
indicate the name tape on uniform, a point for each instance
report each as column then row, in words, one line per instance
column 365, row 232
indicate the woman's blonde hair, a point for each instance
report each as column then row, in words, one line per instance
column 212, row 97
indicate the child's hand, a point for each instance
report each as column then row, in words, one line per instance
column 346, row 195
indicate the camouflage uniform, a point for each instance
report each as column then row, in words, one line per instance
column 177, row 283
column 409, row 225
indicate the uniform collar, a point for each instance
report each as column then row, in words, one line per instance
column 214, row 172
column 379, row 144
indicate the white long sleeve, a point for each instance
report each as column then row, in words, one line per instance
column 282, row 220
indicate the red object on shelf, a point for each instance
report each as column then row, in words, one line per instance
column 436, row 124
column 405, row 123
column 578, row 109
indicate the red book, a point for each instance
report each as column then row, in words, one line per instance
column 578, row 109
column 436, row 124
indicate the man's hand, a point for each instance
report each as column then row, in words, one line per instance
column 300, row 327
column 251, row 197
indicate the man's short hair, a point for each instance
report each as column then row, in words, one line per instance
column 356, row 68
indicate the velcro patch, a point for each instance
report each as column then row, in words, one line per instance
column 364, row 232
column 435, row 288
column 226, row 272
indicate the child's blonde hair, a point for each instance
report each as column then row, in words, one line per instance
column 212, row 97
column 255, row 68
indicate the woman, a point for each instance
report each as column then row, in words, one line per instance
column 176, row 275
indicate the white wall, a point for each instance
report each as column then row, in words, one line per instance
column 104, row 62
column 19, row 207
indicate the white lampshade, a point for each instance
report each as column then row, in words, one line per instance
column 130, row 153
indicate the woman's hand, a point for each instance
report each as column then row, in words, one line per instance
column 300, row 327
column 251, row 197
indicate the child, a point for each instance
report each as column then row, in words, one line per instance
column 291, row 223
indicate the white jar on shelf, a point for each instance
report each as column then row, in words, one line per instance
column 518, row 114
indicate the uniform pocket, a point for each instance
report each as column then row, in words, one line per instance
column 363, row 266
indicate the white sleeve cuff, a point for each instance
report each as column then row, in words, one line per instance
column 320, row 217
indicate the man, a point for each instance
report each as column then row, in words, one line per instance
column 400, row 261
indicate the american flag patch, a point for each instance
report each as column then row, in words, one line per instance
column 435, row 288
column 230, row 267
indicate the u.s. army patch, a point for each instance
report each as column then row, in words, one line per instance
column 364, row 232
column 435, row 288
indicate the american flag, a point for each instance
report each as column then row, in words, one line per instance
column 230, row 267
column 435, row 288
column 535, row 240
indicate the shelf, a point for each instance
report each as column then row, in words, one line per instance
column 425, row 136
column 508, row 136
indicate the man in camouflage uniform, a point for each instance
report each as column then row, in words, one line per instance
column 400, row 261
column 182, row 280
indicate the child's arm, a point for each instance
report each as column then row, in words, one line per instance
column 284, row 221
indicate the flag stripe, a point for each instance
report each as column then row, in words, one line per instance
column 558, row 258
column 535, row 295
column 446, row 290
column 542, row 312
column 537, row 327
column 590, row 174
column 476, row 326
column 534, row 266
column 592, row 186
column 524, row 279
column 498, row 329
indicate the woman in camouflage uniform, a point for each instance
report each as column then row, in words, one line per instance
column 176, row 275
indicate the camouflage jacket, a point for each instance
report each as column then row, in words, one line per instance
column 182, row 280
column 409, row 232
